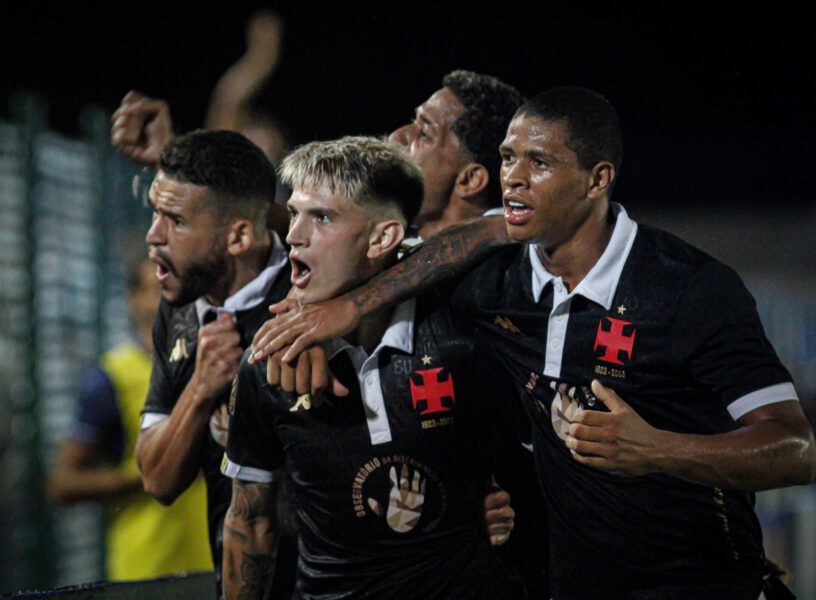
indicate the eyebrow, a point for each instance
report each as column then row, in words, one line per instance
column 530, row 153
column 422, row 117
column 320, row 208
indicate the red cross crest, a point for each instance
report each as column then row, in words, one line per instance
column 431, row 390
column 614, row 341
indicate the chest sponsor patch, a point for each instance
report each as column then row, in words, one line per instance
column 398, row 490
column 616, row 338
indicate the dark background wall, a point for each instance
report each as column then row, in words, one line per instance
column 713, row 100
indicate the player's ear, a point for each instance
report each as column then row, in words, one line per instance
column 471, row 180
column 385, row 237
column 240, row 236
column 600, row 179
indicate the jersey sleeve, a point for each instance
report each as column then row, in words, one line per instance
column 254, row 452
column 722, row 342
column 160, row 398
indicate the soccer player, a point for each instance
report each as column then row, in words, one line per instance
column 218, row 268
column 389, row 479
column 650, row 498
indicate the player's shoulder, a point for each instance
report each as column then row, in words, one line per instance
column 175, row 331
column 676, row 255
column 659, row 255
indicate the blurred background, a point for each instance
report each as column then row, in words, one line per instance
column 718, row 133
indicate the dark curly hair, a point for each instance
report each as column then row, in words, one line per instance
column 237, row 172
column 489, row 105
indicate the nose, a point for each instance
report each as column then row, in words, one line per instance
column 296, row 236
column 404, row 135
column 513, row 174
column 156, row 235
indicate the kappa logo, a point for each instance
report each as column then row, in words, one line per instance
column 614, row 341
column 506, row 324
column 430, row 390
column 308, row 402
column 179, row 350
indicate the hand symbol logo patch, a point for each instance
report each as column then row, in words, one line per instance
column 405, row 501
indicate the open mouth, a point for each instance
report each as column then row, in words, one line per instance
column 163, row 267
column 515, row 211
column 301, row 272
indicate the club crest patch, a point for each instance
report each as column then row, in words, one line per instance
column 432, row 390
column 616, row 341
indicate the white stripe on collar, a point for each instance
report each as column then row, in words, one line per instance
column 600, row 284
column 254, row 292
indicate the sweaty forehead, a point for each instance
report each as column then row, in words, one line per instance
column 172, row 194
column 535, row 130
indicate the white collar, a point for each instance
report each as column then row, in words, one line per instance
column 600, row 283
column 399, row 334
column 254, row 292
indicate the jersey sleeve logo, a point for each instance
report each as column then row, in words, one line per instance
column 427, row 388
column 614, row 341
column 179, row 350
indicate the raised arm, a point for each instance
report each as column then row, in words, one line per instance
column 168, row 452
column 238, row 87
column 141, row 128
column 443, row 257
column 250, row 540
column 773, row 448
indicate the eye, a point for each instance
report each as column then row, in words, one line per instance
column 538, row 162
column 322, row 218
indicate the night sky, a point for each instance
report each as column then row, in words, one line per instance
column 714, row 107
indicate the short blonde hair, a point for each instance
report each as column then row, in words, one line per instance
column 373, row 173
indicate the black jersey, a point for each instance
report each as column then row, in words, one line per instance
column 677, row 336
column 175, row 337
column 389, row 480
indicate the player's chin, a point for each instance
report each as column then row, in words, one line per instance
column 519, row 233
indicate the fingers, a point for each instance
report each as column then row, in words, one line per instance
column 273, row 374
column 496, row 499
column 303, row 341
column 338, row 389
column 303, row 374
column 140, row 127
column 274, row 335
column 288, row 377
column 585, row 448
column 608, row 396
column 592, row 433
column 283, row 306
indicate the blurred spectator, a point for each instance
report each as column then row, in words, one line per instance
column 95, row 462
column 233, row 103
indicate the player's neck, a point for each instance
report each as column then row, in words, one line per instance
column 573, row 259
column 456, row 211
column 240, row 271
column 369, row 332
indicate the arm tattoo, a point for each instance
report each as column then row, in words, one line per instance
column 250, row 540
column 443, row 257
column 256, row 571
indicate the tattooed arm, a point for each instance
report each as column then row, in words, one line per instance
column 443, row 257
column 250, row 540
